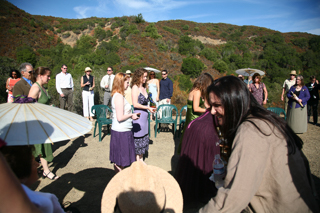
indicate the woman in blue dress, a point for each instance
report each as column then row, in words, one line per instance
column 140, row 104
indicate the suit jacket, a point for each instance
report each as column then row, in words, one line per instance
column 304, row 96
column 314, row 92
column 21, row 88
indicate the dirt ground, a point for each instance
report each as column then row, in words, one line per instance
column 85, row 170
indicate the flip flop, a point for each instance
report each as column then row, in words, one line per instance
column 55, row 177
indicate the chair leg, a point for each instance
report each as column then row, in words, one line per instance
column 95, row 126
column 155, row 130
column 100, row 130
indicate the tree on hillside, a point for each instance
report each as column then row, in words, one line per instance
column 139, row 19
column 221, row 66
column 190, row 46
column 192, row 66
column 26, row 54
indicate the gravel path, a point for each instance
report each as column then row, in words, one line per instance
column 84, row 167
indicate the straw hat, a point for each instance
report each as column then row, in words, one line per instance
column 87, row 69
column 128, row 72
column 142, row 188
column 293, row 72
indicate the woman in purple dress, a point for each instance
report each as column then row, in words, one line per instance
column 257, row 88
column 140, row 104
column 122, row 149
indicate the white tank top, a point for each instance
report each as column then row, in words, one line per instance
column 125, row 125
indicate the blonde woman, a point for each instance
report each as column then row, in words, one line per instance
column 122, row 149
column 154, row 87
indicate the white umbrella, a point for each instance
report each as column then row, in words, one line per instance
column 152, row 69
column 249, row 71
column 35, row 123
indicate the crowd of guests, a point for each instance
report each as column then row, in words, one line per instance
column 266, row 170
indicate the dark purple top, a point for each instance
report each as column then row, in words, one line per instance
column 304, row 96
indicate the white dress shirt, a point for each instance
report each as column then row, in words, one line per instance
column 63, row 81
column 104, row 82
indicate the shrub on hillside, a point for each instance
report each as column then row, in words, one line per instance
column 26, row 54
column 196, row 29
column 192, row 66
column 300, row 42
column 185, row 27
column 100, row 33
column 172, row 30
column 187, row 45
column 162, row 46
column 210, row 54
column 109, row 34
column 66, row 35
column 185, row 83
column 221, row 66
column 152, row 31
column 139, row 19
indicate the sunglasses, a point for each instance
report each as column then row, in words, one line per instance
column 151, row 74
column 30, row 72
column 292, row 75
column 109, row 70
column 163, row 73
column 88, row 71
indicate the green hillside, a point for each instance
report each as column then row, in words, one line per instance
column 184, row 48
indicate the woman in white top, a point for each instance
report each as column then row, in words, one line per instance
column 154, row 87
column 122, row 149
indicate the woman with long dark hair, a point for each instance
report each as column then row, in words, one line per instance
column 15, row 76
column 266, row 171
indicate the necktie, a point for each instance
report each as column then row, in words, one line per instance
column 109, row 81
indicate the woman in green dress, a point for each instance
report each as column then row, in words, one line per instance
column 44, row 151
column 196, row 104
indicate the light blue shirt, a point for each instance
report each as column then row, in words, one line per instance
column 27, row 80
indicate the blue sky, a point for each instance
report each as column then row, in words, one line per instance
column 281, row 15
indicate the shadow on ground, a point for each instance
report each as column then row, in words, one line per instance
column 91, row 183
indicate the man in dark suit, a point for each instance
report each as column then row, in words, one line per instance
column 313, row 87
column 23, row 86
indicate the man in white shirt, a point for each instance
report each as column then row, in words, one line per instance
column 64, row 86
column 106, row 84
column 288, row 83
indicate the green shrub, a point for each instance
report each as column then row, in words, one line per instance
column 221, row 66
column 12, row 31
column 185, row 83
column 76, row 31
column 109, row 34
column 100, row 33
column 213, row 33
column 23, row 32
column 162, row 46
column 58, row 31
column 139, row 19
column 66, row 35
column 185, row 27
column 300, row 42
column 188, row 45
column 114, row 25
column 210, row 54
column 192, row 66
column 223, row 35
column 152, row 31
column 172, row 30
column 25, row 53
column 176, row 57
column 196, row 29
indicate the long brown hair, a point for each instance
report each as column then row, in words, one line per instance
column 152, row 73
column 202, row 83
column 118, row 83
column 254, row 77
column 136, row 78
column 39, row 71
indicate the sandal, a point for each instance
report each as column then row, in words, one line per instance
column 55, row 177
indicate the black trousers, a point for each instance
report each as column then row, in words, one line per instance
column 314, row 107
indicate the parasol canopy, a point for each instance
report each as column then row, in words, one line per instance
column 35, row 123
column 249, row 72
column 152, row 69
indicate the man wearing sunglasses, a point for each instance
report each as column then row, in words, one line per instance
column 64, row 86
column 23, row 86
column 106, row 84
column 288, row 83
column 166, row 90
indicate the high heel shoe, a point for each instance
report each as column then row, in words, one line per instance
column 54, row 177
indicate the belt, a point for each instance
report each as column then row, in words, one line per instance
column 66, row 88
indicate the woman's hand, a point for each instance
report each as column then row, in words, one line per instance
column 135, row 116
column 264, row 102
column 151, row 109
column 157, row 99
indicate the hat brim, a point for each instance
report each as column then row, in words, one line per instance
column 174, row 199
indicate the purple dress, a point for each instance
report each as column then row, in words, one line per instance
column 140, row 127
column 257, row 92
column 199, row 146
